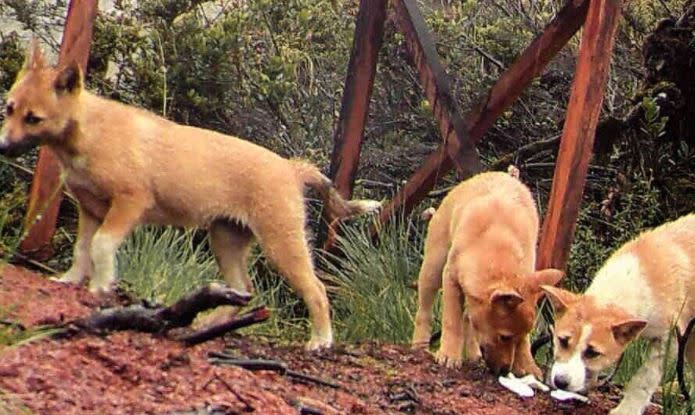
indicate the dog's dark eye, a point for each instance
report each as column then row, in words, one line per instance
column 505, row 338
column 32, row 119
column 591, row 353
column 564, row 341
column 9, row 110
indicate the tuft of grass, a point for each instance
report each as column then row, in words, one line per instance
column 163, row 264
column 374, row 298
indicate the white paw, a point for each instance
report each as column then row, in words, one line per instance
column 421, row 337
column 418, row 345
column 318, row 343
column 99, row 288
column 71, row 276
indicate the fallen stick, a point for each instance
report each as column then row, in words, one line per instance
column 210, row 296
column 262, row 364
column 257, row 315
column 160, row 319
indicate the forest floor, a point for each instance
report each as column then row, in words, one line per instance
column 137, row 373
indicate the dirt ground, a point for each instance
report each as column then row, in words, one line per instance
column 135, row 373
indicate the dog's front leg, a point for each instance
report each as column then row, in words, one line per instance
column 471, row 345
column 524, row 363
column 641, row 387
column 120, row 220
column 451, row 347
column 81, row 261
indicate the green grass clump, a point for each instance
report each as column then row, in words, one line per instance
column 374, row 298
column 163, row 264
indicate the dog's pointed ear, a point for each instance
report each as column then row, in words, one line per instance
column 505, row 300
column 628, row 330
column 548, row 276
column 34, row 58
column 559, row 298
column 69, row 79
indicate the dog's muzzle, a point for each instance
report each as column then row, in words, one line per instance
column 10, row 149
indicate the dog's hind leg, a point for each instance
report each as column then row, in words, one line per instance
column 81, row 262
column 429, row 281
column 231, row 243
column 283, row 240
column 641, row 387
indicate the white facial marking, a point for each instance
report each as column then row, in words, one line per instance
column 4, row 141
column 572, row 371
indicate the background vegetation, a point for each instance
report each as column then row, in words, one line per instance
column 273, row 72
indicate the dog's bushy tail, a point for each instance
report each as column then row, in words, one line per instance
column 310, row 176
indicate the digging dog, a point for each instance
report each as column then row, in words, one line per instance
column 646, row 288
column 127, row 166
column 481, row 250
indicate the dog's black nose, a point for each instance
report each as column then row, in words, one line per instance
column 561, row 382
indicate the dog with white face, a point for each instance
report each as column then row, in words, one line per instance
column 647, row 288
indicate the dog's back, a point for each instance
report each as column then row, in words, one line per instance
column 656, row 270
column 492, row 216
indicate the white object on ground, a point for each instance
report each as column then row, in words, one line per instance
column 563, row 395
column 534, row 383
column 522, row 386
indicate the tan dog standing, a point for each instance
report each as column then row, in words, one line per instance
column 646, row 287
column 481, row 248
column 127, row 166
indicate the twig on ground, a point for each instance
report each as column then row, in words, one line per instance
column 257, row 315
column 219, row 358
column 35, row 263
column 159, row 319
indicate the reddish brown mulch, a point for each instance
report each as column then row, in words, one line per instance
column 135, row 373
